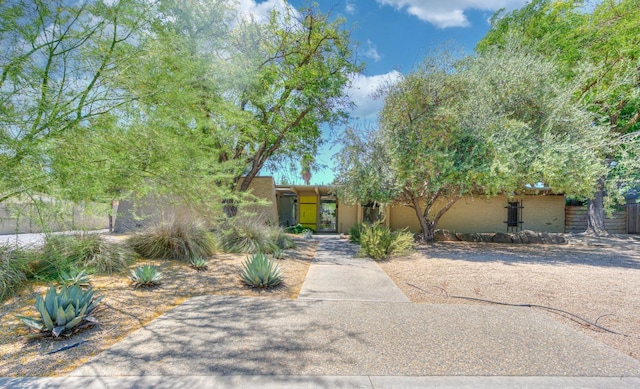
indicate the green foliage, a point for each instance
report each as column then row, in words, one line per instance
column 278, row 253
column 181, row 240
column 63, row 311
column 74, row 277
column 200, row 264
column 379, row 242
column 354, row 233
column 14, row 267
column 62, row 253
column 278, row 236
column 145, row 276
column 260, row 271
column 243, row 235
column 298, row 229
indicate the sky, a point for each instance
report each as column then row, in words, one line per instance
column 392, row 37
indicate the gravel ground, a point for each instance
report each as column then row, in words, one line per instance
column 125, row 309
column 595, row 279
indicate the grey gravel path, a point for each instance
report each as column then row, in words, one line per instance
column 335, row 274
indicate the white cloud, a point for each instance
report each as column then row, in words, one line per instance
column 350, row 8
column 362, row 91
column 450, row 13
column 260, row 12
column 372, row 52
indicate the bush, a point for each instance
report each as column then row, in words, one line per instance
column 260, row 271
column 379, row 242
column 354, row 233
column 14, row 268
column 64, row 253
column 299, row 229
column 278, row 236
column 246, row 236
column 181, row 240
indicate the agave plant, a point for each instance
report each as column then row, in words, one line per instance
column 145, row 276
column 199, row 263
column 62, row 312
column 260, row 271
column 74, row 277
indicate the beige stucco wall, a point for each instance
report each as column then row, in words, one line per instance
column 481, row 214
column 264, row 188
column 347, row 217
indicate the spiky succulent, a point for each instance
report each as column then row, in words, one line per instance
column 198, row 263
column 260, row 271
column 307, row 234
column 62, row 312
column 74, row 277
column 145, row 276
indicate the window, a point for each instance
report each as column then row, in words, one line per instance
column 514, row 216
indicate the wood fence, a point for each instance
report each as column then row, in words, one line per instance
column 575, row 220
column 633, row 218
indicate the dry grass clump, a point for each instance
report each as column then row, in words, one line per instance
column 181, row 240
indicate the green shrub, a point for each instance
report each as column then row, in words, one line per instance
column 278, row 236
column 181, row 240
column 379, row 242
column 354, row 233
column 62, row 253
column 299, row 229
column 14, row 267
column 62, row 312
column 260, row 271
column 245, row 236
column 146, row 276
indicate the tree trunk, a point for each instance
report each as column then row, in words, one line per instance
column 595, row 212
column 427, row 228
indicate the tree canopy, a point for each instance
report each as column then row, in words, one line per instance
column 495, row 123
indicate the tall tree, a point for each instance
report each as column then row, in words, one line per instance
column 56, row 61
column 600, row 47
column 496, row 123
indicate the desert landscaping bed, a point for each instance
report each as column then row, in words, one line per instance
column 598, row 280
column 125, row 309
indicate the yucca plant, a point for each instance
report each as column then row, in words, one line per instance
column 62, row 312
column 260, row 271
column 145, row 276
column 75, row 277
column 278, row 236
column 198, row 263
column 245, row 236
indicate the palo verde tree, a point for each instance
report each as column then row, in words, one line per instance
column 598, row 46
column 486, row 125
column 56, row 63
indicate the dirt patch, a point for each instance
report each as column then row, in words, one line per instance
column 125, row 309
column 596, row 279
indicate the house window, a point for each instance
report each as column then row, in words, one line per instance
column 514, row 216
column 371, row 213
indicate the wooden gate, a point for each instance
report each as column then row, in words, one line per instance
column 633, row 218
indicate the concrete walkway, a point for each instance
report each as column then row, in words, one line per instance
column 350, row 328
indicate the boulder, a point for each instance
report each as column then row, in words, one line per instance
column 444, row 236
column 501, row 237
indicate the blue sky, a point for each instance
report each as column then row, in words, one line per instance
column 393, row 36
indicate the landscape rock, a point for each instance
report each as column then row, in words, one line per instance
column 444, row 236
column 502, row 237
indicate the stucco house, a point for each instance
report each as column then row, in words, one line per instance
column 315, row 206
